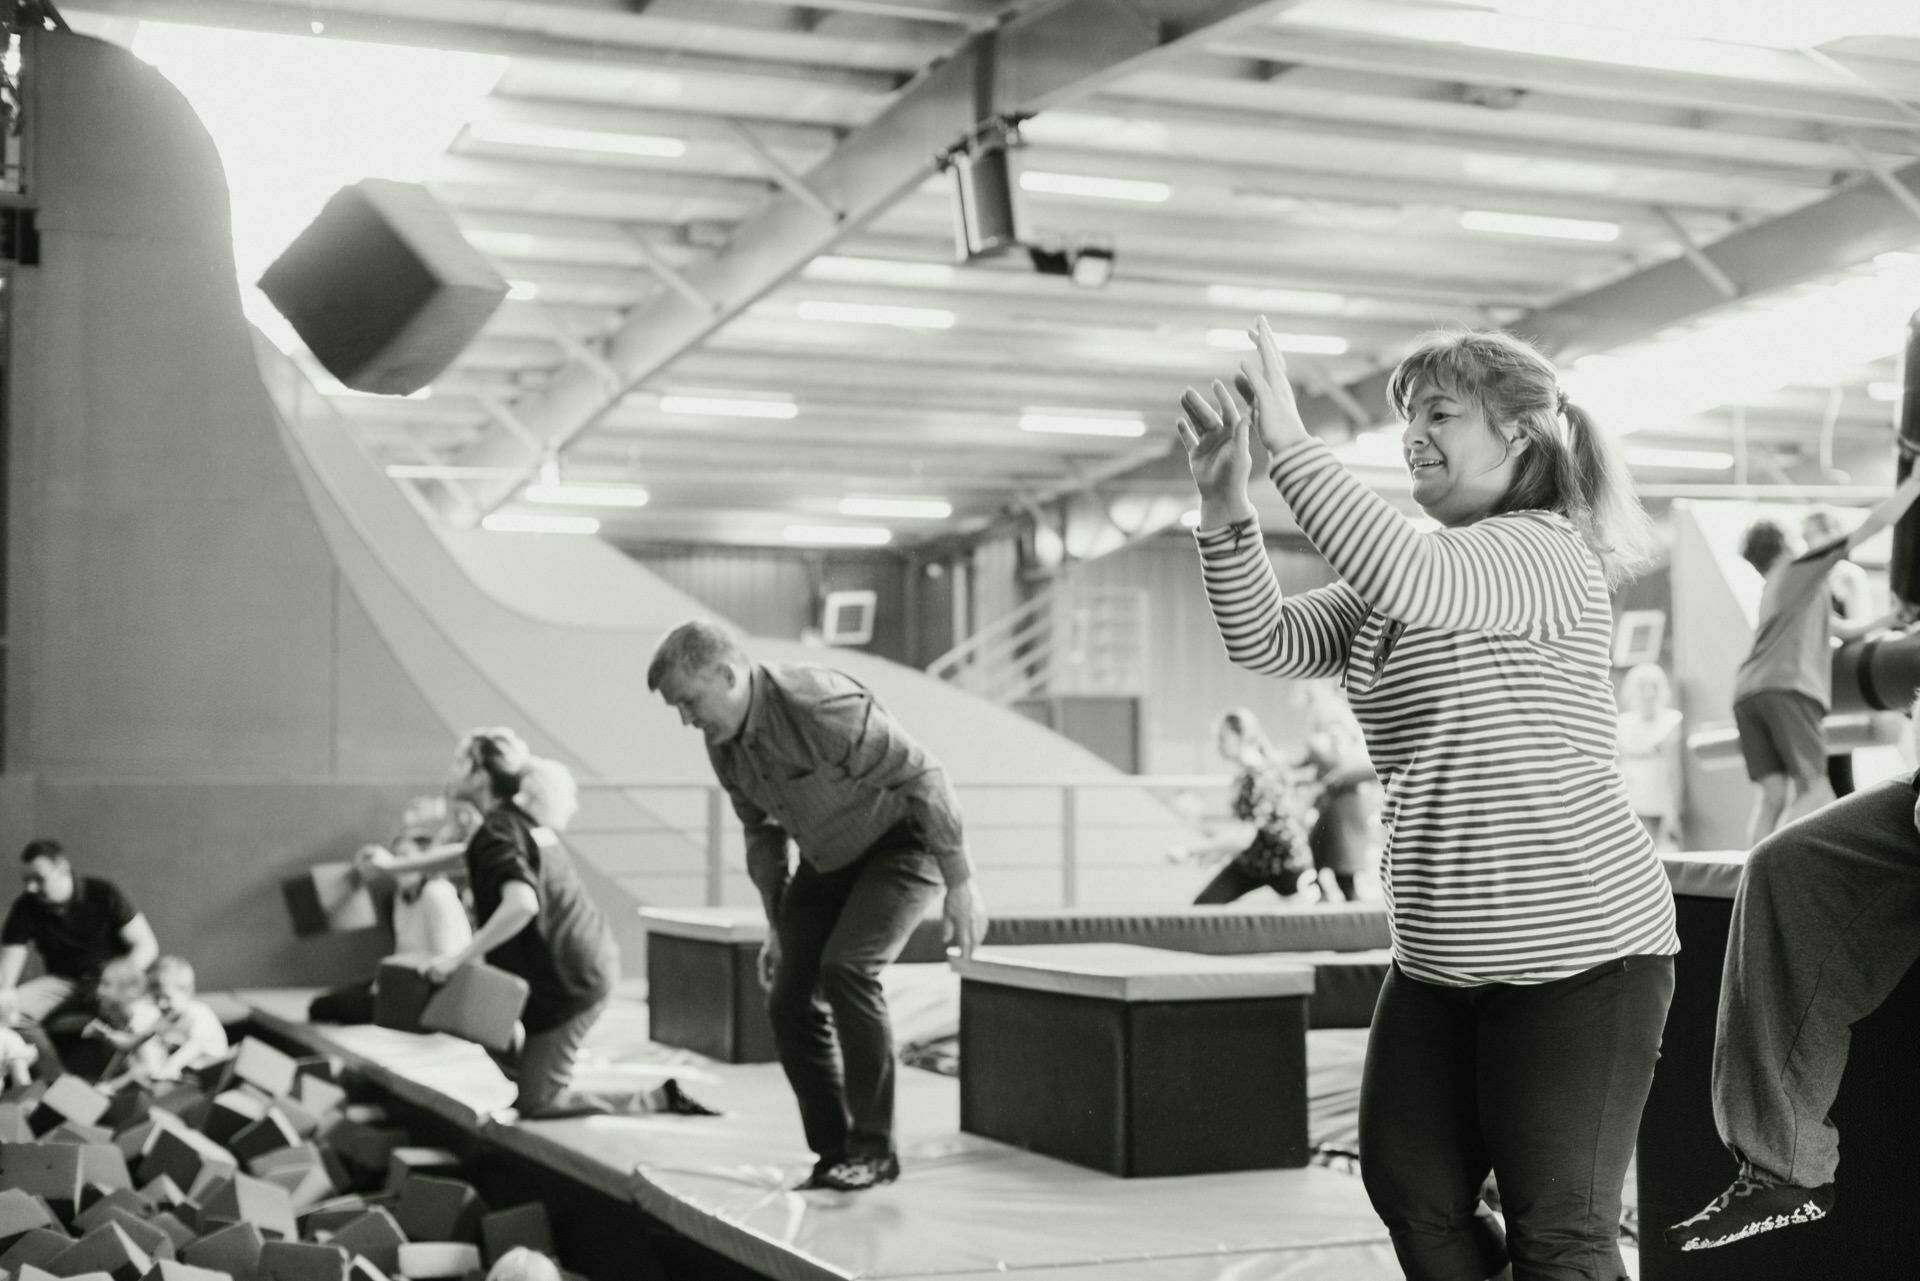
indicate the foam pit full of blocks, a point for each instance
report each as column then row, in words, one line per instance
column 274, row 1210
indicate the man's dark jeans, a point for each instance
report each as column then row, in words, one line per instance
column 837, row 932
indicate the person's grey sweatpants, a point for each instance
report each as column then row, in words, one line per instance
column 1826, row 923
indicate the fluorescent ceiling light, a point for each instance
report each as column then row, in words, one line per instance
column 1243, row 298
column 863, row 313
column 1516, row 224
column 1818, row 334
column 586, row 495
column 537, row 523
column 1544, row 172
column 1300, row 344
column 522, row 290
column 879, row 271
column 1884, row 391
column 722, row 406
column 605, row 141
column 503, row 244
column 839, row 535
column 1776, row 24
column 1190, row 518
column 1078, row 129
column 1074, row 184
column 450, row 471
column 295, row 119
column 909, row 508
column 1081, row 422
column 1682, row 459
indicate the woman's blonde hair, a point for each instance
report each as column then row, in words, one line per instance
column 1568, row 466
column 548, row 793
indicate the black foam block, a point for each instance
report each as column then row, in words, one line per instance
column 383, row 288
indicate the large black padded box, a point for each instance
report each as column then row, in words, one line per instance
column 1137, row 1061
column 703, row 985
column 703, row 989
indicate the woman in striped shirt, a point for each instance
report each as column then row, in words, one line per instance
column 1533, row 929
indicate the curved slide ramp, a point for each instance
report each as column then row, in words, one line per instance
column 553, row 634
column 235, row 646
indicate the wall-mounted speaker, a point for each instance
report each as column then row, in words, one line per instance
column 983, row 216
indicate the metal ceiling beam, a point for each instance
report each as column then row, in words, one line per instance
column 972, row 14
column 479, row 36
column 1848, row 227
column 554, row 172
column 1831, row 102
column 700, row 119
column 1035, row 61
column 1251, row 107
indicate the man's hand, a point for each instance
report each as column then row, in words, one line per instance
column 769, row 959
column 440, row 968
column 966, row 918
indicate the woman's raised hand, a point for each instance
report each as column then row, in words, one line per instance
column 1215, row 434
column 1264, row 384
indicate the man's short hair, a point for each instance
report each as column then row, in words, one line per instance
column 692, row 647
column 44, row 847
column 1762, row 544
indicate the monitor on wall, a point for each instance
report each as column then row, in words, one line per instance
column 1637, row 636
column 847, row 618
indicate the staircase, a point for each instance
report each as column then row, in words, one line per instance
column 1064, row 640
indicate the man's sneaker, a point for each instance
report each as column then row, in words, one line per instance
column 858, row 1173
column 812, row 1182
column 1747, row 1209
column 669, row 1097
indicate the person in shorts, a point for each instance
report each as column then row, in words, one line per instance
column 1784, row 688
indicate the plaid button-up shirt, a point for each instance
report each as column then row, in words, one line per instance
column 819, row 761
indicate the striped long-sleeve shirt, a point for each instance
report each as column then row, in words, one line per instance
column 1476, row 660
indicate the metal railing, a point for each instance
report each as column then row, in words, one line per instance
column 1065, row 639
column 697, row 812
column 1008, row 659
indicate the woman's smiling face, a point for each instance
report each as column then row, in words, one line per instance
column 1461, row 466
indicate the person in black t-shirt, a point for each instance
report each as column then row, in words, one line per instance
column 536, row 921
column 77, row 924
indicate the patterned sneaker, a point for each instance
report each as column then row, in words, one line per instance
column 812, row 1182
column 858, row 1173
column 1747, row 1209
